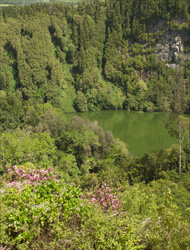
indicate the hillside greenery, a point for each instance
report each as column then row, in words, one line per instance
column 5, row 3
column 68, row 184
column 100, row 55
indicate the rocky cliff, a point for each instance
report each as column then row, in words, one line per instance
column 171, row 44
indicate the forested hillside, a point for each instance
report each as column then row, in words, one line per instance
column 5, row 3
column 68, row 184
column 130, row 55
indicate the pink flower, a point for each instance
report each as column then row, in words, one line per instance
column 92, row 200
column 102, row 200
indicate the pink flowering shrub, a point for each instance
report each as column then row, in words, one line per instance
column 30, row 174
column 105, row 196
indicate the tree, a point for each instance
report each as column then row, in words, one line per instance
column 178, row 127
column 80, row 102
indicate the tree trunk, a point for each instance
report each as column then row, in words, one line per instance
column 180, row 148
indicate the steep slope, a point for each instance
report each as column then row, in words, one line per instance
column 113, row 55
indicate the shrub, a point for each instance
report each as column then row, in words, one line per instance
column 106, row 197
column 35, row 212
column 22, row 173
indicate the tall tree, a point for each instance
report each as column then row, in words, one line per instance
column 178, row 125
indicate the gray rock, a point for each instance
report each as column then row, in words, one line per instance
column 172, row 44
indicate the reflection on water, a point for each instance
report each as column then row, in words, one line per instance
column 143, row 132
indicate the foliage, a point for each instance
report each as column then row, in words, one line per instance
column 11, row 110
column 30, row 175
column 50, row 215
column 57, row 58
column 32, row 210
column 103, row 231
column 95, row 56
column 169, row 231
column 105, row 197
column 19, row 147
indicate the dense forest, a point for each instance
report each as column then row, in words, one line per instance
column 129, row 55
column 6, row 3
column 68, row 184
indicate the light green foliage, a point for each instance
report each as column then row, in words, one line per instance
column 100, row 55
column 114, row 169
column 52, row 211
column 68, row 169
column 158, row 217
column 31, row 210
column 105, row 96
column 80, row 102
column 104, row 231
column 169, row 231
column 68, row 96
column 63, row 51
column 140, row 201
column 19, row 147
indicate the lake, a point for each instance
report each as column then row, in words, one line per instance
column 142, row 132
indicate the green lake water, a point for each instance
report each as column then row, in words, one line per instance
column 142, row 132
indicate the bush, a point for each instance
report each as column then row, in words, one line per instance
column 30, row 174
column 34, row 214
column 105, row 197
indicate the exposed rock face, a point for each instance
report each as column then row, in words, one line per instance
column 170, row 47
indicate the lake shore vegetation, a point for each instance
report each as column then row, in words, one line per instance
column 68, row 184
